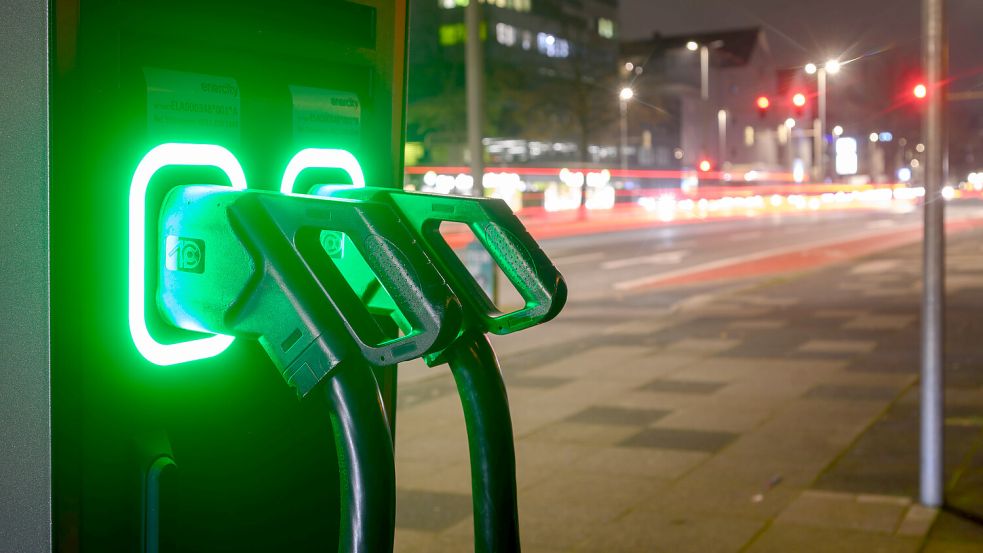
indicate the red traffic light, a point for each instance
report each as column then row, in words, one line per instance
column 763, row 102
column 705, row 165
column 799, row 100
column 920, row 91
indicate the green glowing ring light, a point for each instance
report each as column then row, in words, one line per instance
column 161, row 156
column 321, row 158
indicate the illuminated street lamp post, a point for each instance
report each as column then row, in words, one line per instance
column 704, row 49
column 624, row 97
column 831, row 67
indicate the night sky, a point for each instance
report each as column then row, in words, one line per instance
column 799, row 31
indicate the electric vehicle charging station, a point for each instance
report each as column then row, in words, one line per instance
column 146, row 418
column 471, row 358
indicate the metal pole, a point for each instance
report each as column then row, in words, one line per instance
column 722, row 136
column 705, row 72
column 820, row 137
column 623, row 105
column 475, row 89
column 704, row 96
column 933, row 298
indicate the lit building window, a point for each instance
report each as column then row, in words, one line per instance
column 517, row 5
column 451, row 34
column 551, row 46
column 749, row 136
column 526, row 40
column 505, row 34
column 605, row 27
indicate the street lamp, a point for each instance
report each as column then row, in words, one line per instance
column 704, row 49
column 625, row 95
column 832, row 67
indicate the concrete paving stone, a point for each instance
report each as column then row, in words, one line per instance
column 851, row 393
column 665, row 464
column 642, row 531
column 617, row 416
column 838, row 313
column 573, row 498
column 880, row 322
column 674, row 386
column 430, row 511
column 582, row 433
column 680, row 438
column 838, row 346
column 784, row 538
column 712, row 415
column 590, row 362
column 538, row 382
column 844, row 511
column 771, row 301
column 703, row 345
column 652, row 400
column 421, row 475
column 412, row 541
column 758, row 324
column 725, row 368
column 440, row 450
column 917, row 521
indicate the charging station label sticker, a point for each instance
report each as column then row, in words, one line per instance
column 184, row 106
column 184, row 254
column 321, row 114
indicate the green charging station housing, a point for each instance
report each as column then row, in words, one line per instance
column 106, row 450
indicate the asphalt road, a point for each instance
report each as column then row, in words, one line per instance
column 607, row 265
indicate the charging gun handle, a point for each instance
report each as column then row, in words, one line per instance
column 490, row 443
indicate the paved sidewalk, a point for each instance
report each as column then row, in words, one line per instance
column 777, row 416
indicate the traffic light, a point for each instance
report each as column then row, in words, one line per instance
column 705, row 165
column 763, row 103
column 798, row 102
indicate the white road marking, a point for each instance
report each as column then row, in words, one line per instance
column 639, row 282
column 582, row 258
column 661, row 258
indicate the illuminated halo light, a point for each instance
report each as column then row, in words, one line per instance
column 799, row 99
column 162, row 156
column 321, row 158
column 920, row 91
column 763, row 102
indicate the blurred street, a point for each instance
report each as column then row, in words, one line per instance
column 770, row 412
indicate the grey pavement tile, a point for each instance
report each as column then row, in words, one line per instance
column 786, row 538
column 758, row 324
column 642, row 531
column 875, row 322
column 583, row 433
column 844, row 511
column 722, row 416
column 846, row 392
column 636, row 461
column 618, row 416
column 673, row 386
column 539, row 382
column 838, row 346
column 430, row 511
column 678, row 438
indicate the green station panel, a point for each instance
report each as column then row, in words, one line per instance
column 128, row 433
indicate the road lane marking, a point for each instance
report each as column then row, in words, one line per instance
column 582, row 258
column 661, row 258
column 640, row 282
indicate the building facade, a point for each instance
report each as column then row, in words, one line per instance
column 551, row 81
